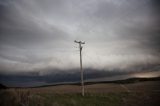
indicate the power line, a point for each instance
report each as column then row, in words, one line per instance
column 80, row 49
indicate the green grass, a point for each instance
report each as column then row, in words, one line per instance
column 78, row 100
column 20, row 98
column 23, row 97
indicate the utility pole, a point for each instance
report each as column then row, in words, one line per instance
column 80, row 49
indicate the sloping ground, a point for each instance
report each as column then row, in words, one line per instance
column 133, row 94
column 147, row 86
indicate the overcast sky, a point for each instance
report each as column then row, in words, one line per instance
column 39, row 34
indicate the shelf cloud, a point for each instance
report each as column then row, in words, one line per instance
column 38, row 35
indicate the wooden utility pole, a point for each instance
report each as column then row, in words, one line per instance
column 80, row 49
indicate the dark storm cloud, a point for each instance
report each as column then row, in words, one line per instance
column 39, row 34
column 155, row 6
column 146, row 36
column 18, row 27
column 132, row 21
column 156, row 16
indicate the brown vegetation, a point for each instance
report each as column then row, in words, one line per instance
column 140, row 94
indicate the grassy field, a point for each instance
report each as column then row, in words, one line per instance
column 104, row 94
